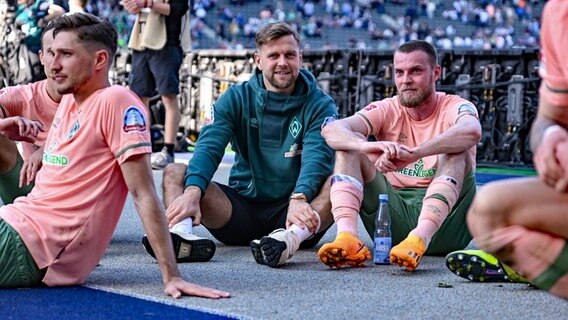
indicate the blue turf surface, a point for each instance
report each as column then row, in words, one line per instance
column 84, row 303
column 483, row 178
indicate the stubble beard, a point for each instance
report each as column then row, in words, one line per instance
column 281, row 85
column 74, row 87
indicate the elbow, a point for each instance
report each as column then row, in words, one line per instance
column 476, row 136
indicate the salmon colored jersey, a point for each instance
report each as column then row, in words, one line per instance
column 387, row 120
column 29, row 101
column 68, row 219
column 554, row 45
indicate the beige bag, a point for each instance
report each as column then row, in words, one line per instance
column 185, row 34
column 149, row 31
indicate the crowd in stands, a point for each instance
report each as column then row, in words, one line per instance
column 477, row 24
column 112, row 11
column 377, row 24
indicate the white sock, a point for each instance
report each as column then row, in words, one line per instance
column 185, row 226
column 304, row 233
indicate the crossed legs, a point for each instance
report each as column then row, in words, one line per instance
column 523, row 223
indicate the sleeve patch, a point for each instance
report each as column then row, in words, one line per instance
column 466, row 109
column 134, row 120
column 209, row 116
column 370, row 107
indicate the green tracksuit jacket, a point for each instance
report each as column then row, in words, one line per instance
column 276, row 138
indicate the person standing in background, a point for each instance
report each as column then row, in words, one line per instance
column 156, row 58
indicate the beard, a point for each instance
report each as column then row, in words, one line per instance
column 415, row 99
column 281, row 84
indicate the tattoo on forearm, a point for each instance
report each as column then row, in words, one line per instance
column 435, row 209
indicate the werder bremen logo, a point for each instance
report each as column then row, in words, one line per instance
column 295, row 127
column 418, row 171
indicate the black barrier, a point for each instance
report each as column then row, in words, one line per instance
column 503, row 84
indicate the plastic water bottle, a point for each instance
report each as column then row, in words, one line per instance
column 383, row 238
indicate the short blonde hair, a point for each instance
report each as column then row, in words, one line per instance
column 274, row 31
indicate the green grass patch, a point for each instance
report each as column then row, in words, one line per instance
column 507, row 170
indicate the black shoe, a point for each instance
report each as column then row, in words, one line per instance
column 189, row 248
column 275, row 249
column 257, row 252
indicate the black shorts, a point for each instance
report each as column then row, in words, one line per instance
column 252, row 220
column 153, row 69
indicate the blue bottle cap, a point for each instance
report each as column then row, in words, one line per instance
column 384, row 196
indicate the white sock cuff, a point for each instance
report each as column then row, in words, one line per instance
column 319, row 221
column 302, row 233
column 185, row 225
column 346, row 178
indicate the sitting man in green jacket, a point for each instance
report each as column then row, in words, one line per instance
column 277, row 197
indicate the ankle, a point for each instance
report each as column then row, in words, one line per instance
column 302, row 233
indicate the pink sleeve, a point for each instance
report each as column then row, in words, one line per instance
column 458, row 109
column 125, row 126
column 12, row 102
column 554, row 44
column 374, row 116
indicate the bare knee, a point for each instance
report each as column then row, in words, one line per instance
column 455, row 165
column 8, row 154
column 174, row 173
column 488, row 210
column 354, row 164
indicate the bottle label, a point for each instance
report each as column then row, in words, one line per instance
column 383, row 247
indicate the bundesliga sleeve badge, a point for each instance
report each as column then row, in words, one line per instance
column 134, row 120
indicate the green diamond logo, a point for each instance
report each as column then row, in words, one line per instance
column 295, row 127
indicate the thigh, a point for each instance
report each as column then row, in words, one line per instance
column 165, row 64
column 249, row 220
column 526, row 202
column 141, row 80
column 17, row 267
column 9, row 183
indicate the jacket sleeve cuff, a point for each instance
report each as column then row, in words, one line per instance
column 310, row 194
column 198, row 182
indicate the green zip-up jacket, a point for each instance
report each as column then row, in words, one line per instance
column 276, row 138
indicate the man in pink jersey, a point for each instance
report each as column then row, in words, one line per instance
column 523, row 222
column 423, row 158
column 98, row 149
column 36, row 101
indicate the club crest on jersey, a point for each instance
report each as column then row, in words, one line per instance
column 134, row 120
column 295, row 127
column 74, row 130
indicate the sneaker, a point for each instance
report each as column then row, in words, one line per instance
column 408, row 253
column 480, row 266
column 276, row 248
column 161, row 159
column 187, row 247
column 346, row 249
